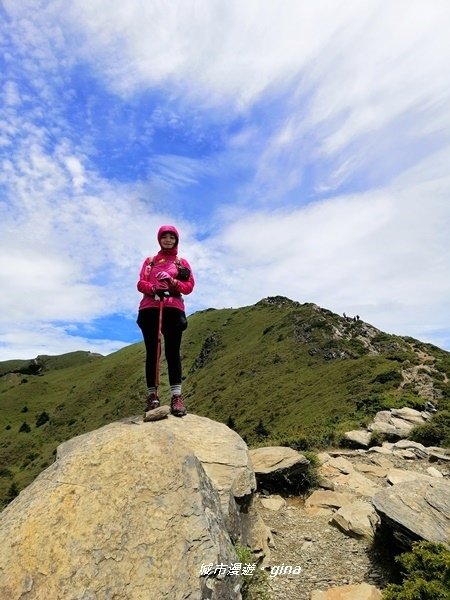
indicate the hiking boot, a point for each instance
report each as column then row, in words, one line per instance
column 152, row 402
column 177, row 407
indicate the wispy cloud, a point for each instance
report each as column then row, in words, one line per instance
column 383, row 255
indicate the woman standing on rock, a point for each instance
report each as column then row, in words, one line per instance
column 163, row 279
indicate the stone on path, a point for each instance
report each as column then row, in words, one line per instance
column 323, row 502
column 157, row 414
column 273, row 502
column 370, row 469
column 278, row 467
column 358, row 518
column 358, row 483
column 277, row 458
column 336, row 466
column 362, row 591
column 433, row 472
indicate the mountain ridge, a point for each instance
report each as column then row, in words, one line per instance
column 278, row 372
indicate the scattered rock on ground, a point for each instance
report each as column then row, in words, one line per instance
column 273, row 502
column 325, row 501
column 401, row 475
column 361, row 437
column 395, row 423
column 363, row 591
column 306, row 533
column 358, row 518
column 417, row 509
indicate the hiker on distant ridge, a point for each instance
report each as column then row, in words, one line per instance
column 163, row 279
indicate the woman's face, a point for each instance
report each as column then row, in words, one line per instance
column 168, row 240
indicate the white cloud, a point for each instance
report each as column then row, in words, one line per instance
column 383, row 255
column 25, row 342
column 330, row 79
column 363, row 64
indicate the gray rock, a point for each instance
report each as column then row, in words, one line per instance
column 415, row 510
column 409, row 445
column 433, row 472
column 361, row 437
column 273, row 502
column 408, row 414
column 438, row 455
column 396, row 423
column 359, row 591
column 327, row 500
column 380, row 450
column 358, row 518
column 395, row 476
column 157, row 414
column 277, row 467
column 124, row 510
column 419, row 449
column 405, row 454
column 357, row 483
column 370, row 469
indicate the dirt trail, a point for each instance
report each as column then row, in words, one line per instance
column 327, row 556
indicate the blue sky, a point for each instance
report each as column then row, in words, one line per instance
column 301, row 148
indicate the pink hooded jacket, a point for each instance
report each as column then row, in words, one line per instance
column 165, row 260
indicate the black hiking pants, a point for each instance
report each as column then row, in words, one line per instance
column 173, row 324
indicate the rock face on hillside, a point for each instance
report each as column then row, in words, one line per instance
column 395, row 424
column 129, row 509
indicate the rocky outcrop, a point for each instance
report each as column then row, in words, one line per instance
column 395, row 424
column 359, row 437
column 225, row 457
column 345, row 475
column 131, row 508
column 357, row 476
column 418, row 509
column 277, row 467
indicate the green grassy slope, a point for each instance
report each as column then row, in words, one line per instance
column 279, row 372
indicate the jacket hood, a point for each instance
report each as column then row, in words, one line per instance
column 168, row 229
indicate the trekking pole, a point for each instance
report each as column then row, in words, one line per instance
column 158, row 344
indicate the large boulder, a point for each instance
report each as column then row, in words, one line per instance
column 127, row 511
column 278, row 467
column 415, row 510
column 225, row 457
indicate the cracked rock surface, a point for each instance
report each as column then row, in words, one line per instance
column 126, row 511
